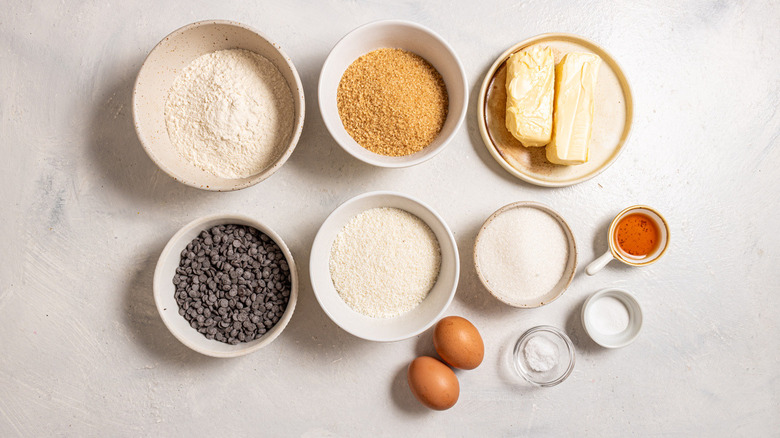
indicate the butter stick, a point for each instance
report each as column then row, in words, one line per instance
column 530, row 77
column 575, row 87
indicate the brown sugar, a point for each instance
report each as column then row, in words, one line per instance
column 392, row 102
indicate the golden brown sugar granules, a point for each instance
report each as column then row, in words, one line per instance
column 392, row 102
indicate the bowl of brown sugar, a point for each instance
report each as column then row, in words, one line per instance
column 392, row 93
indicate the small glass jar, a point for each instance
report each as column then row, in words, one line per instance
column 559, row 345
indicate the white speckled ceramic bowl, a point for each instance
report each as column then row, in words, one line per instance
column 402, row 35
column 568, row 272
column 160, row 69
column 403, row 326
column 164, row 289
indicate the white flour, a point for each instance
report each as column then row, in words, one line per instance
column 230, row 113
column 384, row 262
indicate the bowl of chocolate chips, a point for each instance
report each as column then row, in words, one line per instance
column 226, row 285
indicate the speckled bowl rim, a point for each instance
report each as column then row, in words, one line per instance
column 298, row 98
column 194, row 340
column 569, row 237
column 486, row 138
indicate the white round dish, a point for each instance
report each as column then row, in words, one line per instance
column 614, row 112
column 161, row 68
column 169, row 309
column 393, row 34
column 613, row 340
column 403, row 326
column 568, row 272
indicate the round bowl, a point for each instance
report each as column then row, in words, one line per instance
column 565, row 351
column 161, row 68
column 597, row 330
column 169, row 309
column 402, row 35
column 569, row 270
column 405, row 325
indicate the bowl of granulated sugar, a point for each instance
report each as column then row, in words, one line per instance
column 525, row 254
column 218, row 106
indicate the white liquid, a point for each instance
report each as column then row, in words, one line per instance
column 608, row 315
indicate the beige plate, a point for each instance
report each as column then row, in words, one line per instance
column 568, row 272
column 611, row 123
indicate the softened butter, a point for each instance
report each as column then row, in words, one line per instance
column 530, row 78
column 575, row 86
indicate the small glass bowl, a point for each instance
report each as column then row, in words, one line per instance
column 557, row 373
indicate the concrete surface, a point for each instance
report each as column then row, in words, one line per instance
column 85, row 214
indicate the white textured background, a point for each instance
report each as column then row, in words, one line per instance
column 85, row 214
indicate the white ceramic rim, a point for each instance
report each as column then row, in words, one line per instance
column 244, row 347
column 572, row 260
column 268, row 171
column 486, row 136
column 319, row 240
column 635, row 319
column 407, row 162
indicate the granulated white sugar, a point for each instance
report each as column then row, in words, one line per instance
column 230, row 113
column 384, row 262
column 522, row 254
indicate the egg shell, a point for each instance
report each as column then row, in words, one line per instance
column 433, row 383
column 458, row 342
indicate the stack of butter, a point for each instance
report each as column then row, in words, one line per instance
column 549, row 105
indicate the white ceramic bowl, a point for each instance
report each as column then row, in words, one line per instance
column 569, row 269
column 393, row 34
column 594, row 327
column 403, row 326
column 169, row 309
column 160, row 69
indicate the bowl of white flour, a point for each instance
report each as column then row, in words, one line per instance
column 218, row 106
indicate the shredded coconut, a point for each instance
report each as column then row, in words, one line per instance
column 230, row 113
column 384, row 262
column 522, row 254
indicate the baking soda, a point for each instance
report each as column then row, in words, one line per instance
column 541, row 354
column 609, row 315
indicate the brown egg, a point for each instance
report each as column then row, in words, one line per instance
column 458, row 343
column 433, row 383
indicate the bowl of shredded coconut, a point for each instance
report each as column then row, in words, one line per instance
column 218, row 106
column 384, row 266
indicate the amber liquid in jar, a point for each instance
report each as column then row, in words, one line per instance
column 637, row 234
